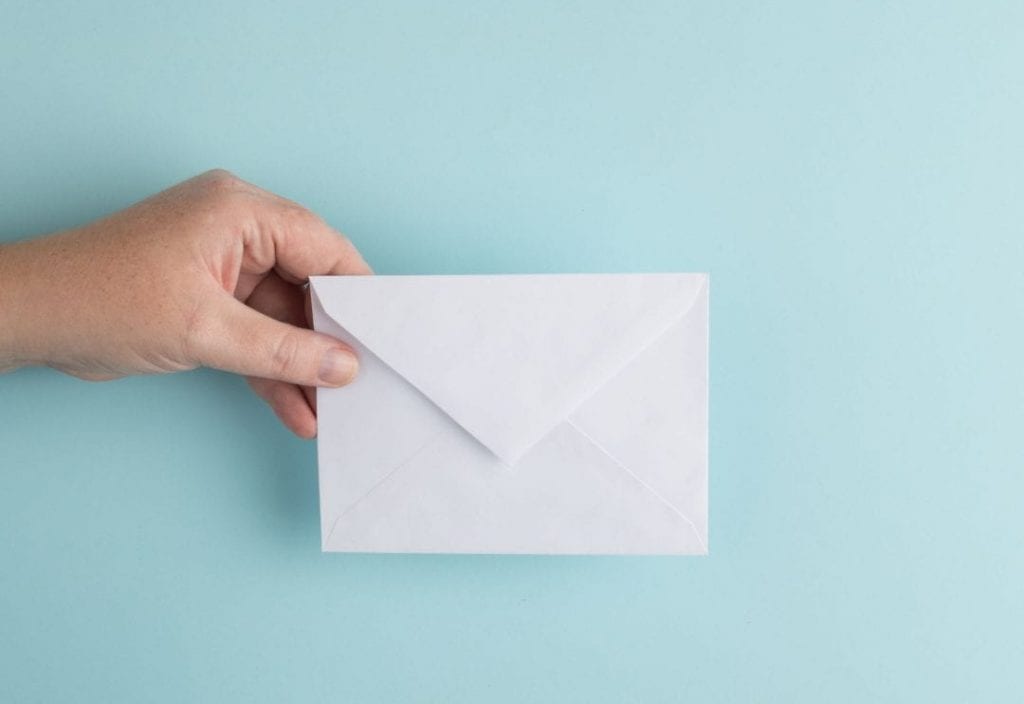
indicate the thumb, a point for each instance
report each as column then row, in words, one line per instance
column 242, row 340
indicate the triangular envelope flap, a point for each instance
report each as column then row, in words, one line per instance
column 507, row 357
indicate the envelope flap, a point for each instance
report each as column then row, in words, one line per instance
column 507, row 357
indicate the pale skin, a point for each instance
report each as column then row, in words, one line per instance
column 211, row 272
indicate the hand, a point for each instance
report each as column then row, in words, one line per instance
column 211, row 272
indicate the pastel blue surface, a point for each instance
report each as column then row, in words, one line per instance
column 850, row 174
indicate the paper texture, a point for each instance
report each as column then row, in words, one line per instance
column 548, row 414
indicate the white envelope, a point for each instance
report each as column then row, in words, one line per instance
column 556, row 414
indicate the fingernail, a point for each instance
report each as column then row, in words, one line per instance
column 338, row 367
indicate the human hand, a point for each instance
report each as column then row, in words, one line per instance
column 211, row 272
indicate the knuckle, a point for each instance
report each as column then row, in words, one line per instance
column 222, row 189
column 220, row 179
column 286, row 355
column 302, row 218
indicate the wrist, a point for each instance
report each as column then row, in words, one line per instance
column 18, row 347
column 10, row 355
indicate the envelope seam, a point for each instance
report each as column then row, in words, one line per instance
column 645, row 485
column 676, row 320
column 381, row 481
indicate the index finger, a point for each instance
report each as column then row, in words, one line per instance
column 294, row 241
column 304, row 246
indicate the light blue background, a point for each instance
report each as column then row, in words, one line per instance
column 851, row 175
